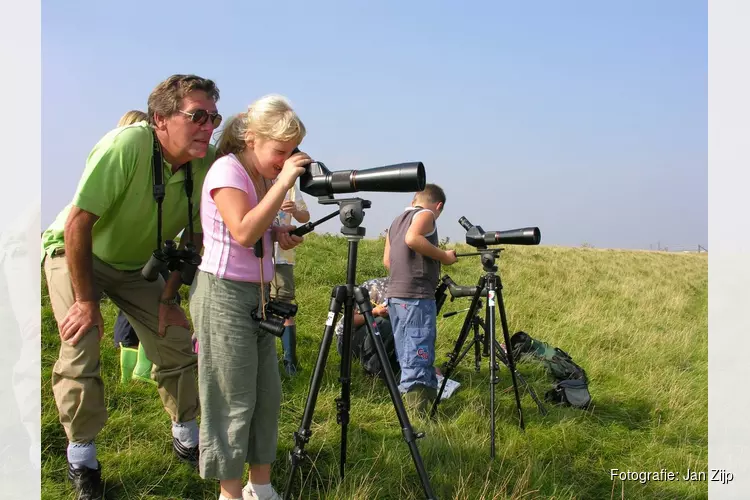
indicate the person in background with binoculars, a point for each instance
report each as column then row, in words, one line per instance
column 238, row 372
column 283, row 287
column 101, row 242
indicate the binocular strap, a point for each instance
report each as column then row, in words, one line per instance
column 159, row 190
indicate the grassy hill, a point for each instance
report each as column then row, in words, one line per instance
column 636, row 321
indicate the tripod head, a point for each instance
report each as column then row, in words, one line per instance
column 351, row 212
column 488, row 256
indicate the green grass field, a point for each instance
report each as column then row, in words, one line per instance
column 635, row 321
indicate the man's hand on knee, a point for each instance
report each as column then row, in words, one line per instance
column 171, row 315
column 81, row 317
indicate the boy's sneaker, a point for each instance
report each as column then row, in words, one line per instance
column 87, row 482
column 189, row 455
column 248, row 493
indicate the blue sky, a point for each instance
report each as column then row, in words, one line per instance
column 586, row 119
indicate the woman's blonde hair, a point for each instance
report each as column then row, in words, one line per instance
column 131, row 117
column 271, row 117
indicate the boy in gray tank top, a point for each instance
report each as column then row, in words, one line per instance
column 413, row 260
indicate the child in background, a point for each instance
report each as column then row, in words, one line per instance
column 413, row 259
column 282, row 286
column 134, row 365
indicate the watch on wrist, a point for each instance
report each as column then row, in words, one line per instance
column 169, row 302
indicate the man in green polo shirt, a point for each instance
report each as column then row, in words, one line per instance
column 100, row 243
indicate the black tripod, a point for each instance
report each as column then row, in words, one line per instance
column 479, row 341
column 351, row 213
column 490, row 286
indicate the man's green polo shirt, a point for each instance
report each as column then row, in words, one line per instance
column 117, row 185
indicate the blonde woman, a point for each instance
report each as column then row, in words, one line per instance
column 131, row 117
column 239, row 382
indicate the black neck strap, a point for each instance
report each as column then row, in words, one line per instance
column 160, row 191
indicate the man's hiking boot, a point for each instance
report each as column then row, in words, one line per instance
column 87, row 482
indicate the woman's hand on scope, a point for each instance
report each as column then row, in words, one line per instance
column 293, row 167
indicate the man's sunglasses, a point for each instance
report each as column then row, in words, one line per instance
column 201, row 116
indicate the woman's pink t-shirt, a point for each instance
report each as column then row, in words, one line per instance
column 223, row 256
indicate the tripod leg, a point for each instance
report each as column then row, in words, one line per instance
column 345, row 370
column 490, row 338
column 453, row 356
column 473, row 343
column 363, row 302
column 509, row 353
column 448, row 369
column 302, row 436
column 477, row 347
column 504, row 359
column 484, row 324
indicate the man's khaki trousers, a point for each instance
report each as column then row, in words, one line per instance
column 76, row 380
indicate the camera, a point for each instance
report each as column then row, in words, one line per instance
column 478, row 238
column 276, row 313
column 171, row 258
column 399, row 178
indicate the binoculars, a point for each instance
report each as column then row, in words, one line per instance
column 276, row 313
column 170, row 258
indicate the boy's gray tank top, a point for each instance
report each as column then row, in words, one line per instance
column 412, row 275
